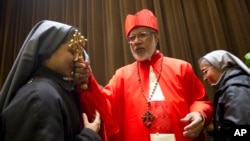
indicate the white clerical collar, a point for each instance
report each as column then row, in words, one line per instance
column 158, row 96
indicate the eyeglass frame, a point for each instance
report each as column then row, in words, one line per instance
column 204, row 72
column 140, row 36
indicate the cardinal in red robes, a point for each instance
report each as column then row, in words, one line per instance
column 155, row 98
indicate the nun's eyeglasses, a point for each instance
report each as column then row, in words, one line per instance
column 140, row 36
column 204, row 71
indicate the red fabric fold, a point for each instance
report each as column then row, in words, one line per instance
column 94, row 99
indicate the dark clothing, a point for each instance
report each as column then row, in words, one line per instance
column 45, row 109
column 232, row 108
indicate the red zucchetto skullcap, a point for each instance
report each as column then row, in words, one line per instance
column 142, row 18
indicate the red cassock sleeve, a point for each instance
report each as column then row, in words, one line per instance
column 94, row 99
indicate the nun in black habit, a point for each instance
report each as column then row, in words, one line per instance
column 38, row 101
column 231, row 79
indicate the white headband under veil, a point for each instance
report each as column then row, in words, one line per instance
column 222, row 59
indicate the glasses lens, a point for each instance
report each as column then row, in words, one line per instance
column 140, row 36
column 131, row 38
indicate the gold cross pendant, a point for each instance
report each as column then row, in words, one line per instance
column 148, row 117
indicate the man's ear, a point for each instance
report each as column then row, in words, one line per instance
column 156, row 35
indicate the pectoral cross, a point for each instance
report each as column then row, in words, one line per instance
column 148, row 117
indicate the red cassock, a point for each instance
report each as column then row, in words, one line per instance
column 121, row 102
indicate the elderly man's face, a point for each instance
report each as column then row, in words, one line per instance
column 142, row 42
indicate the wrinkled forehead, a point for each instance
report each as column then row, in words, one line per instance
column 140, row 29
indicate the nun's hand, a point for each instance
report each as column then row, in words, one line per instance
column 210, row 126
column 82, row 72
column 95, row 124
